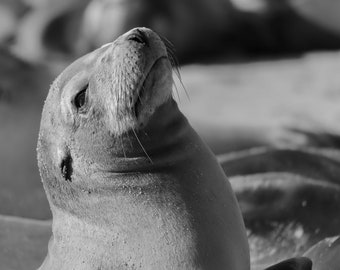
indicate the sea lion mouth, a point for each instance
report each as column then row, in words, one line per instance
column 142, row 89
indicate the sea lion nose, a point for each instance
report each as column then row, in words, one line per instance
column 138, row 36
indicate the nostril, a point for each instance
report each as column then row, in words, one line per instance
column 138, row 37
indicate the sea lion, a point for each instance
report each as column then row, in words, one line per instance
column 209, row 30
column 130, row 183
column 299, row 263
column 48, row 30
column 285, row 214
column 317, row 163
column 324, row 13
column 289, row 198
column 192, row 26
column 10, row 13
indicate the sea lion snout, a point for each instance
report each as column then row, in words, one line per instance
column 139, row 72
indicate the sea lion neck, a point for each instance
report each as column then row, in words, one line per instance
column 156, row 145
column 166, row 141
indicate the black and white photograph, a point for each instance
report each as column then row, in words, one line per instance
column 169, row 135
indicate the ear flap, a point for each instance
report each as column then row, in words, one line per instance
column 66, row 165
column 299, row 263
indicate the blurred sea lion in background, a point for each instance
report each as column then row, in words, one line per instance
column 49, row 30
column 10, row 13
column 209, row 29
column 200, row 30
column 289, row 198
column 193, row 27
column 322, row 12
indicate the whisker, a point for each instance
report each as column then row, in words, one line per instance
column 170, row 48
column 176, row 67
column 134, row 132
column 168, row 44
column 180, row 80
column 172, row 54
column 122, row 145
column 142, row 87
column 118, row 102
column 175, row 85
column 140, row 99
column 174, row 62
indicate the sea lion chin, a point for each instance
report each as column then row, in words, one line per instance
column 129, row 182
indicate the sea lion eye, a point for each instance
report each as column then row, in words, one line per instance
column 80, row 98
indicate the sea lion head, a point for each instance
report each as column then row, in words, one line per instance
column 118, row 77
column 96, row 117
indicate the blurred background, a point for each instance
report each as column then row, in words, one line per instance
column 264, row 93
